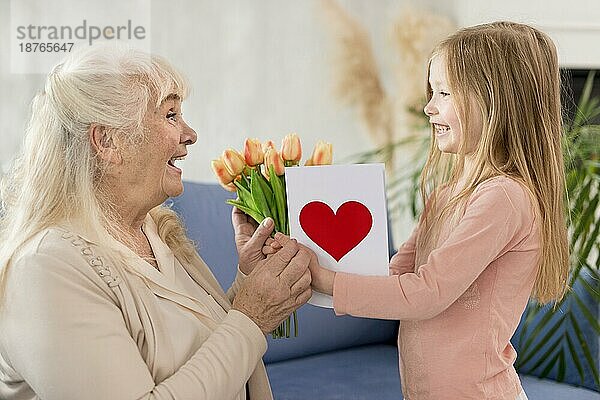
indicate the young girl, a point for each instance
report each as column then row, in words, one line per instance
column 493, row 230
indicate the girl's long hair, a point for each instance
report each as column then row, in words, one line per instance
column 57, row 177
column 508, row 73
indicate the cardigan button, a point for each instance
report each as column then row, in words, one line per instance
column 112, row 281
column 96, row 262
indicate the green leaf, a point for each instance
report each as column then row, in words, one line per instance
column 594, row 273
column 245, row 182
column 584, row 214
column 251, row 212
column 580, row 116
column 530, row 312
column 266, row 188
column 584, row 346
column 582, row 195
column 575, row 358
column 594, row 292
column 562, row 366
column 586, row 218
column 258, row 196
column 538, row 328
column 245, row 196
column 585, row 252
column 592, row 319
column 550, row 366
column 527, row 352
column 544, row 357
column 280, row 200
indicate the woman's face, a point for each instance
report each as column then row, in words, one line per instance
column 150, row 167
column 442, row 114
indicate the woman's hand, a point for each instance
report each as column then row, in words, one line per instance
column 250, row 239
column 322, row 278
column 277, row 286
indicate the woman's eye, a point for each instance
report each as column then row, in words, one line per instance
column 172, row 116
column 444, row 94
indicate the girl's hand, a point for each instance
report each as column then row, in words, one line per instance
column 250, row 239
column 322, row 278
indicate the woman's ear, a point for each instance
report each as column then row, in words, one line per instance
column 104, row 145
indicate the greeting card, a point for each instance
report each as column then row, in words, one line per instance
column 339, row 211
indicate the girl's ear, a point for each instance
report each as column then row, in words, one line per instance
column 104, row 145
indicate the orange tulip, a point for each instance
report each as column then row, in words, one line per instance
column 253, row 152
column 291, row 149
column 272, row 157
column 221, row 172
column 268, row 145
column 322, row 154
column 234, row 162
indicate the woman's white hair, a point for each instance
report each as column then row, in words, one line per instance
column 56, row 178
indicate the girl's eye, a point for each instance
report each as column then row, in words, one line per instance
column 444, row 94
column 172, row 116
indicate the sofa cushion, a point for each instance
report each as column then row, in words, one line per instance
column 371, row 372
column 365, row 372
column 208, row 221
column 554, row 330
column 543, row 389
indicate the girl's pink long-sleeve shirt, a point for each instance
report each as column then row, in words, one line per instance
column 459, row 310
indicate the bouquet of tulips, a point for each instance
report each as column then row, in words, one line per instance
column 257, row 176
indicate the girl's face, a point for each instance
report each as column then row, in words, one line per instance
column 442, row 114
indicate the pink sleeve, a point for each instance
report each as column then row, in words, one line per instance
column 497, row 217
column 404, row 260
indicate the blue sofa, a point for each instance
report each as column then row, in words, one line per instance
column 333, row 357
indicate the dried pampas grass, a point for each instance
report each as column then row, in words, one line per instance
column 414, row 35
column 357, row 81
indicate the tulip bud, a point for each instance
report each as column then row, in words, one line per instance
column 291, row 149
column 322, row 154
column 221, row 172
column 253, row 152
column 234, row 162
column 268, row 145
column 272, row 157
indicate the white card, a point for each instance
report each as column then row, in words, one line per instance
column 339, row 211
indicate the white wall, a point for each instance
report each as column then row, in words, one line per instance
column 263, row 68
column 258, row 68
column 574, row 25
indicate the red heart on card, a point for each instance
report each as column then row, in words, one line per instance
column 336, row 233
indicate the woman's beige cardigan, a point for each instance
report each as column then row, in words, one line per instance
column 76, row 325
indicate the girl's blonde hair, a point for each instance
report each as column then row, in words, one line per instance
column 508, row 73
column 57, row 177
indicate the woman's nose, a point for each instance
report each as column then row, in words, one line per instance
column 430, row 108
column 188, row 136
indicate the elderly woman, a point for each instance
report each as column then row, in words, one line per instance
column 103, row 295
